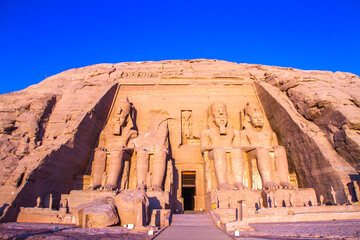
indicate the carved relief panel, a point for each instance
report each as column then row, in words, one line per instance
column 186, row 126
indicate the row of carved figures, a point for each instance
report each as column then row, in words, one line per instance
column 217, row 140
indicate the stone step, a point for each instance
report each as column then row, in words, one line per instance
column 192, row 226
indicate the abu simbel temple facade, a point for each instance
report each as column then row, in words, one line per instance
column 134, row 143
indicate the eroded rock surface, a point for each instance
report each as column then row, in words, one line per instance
column 330, row 100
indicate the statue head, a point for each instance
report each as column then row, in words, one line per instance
column 255, row 114
column 124, row 111
column 156, row 117
column 122, row 115
column 218, row 115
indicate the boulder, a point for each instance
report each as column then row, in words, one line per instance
column 127, row 204
column 98, row 214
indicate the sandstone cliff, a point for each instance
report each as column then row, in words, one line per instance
column 48, row 131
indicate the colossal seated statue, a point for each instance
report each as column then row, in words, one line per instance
column 114, row 148
column 153, row 142
column 262, row 141
column 217, row 140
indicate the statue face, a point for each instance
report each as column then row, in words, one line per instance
column 257, row 119
column 123, row 113
column 219, row 113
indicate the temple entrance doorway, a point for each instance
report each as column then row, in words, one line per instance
column 188, row 189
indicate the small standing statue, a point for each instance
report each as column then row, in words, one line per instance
column 38, row 202
column 290, row 201
column 321, row 200
column 260, row 202
column 274, row 201
column 349, row 199
column 50, row 201
column 333, row 193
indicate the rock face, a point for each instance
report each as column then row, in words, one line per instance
column 330, row 100
column 48, row 131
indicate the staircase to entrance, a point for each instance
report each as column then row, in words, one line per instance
column 192, row 226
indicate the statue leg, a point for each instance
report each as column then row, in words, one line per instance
column 142, row 166
column 115, row 167
column 265, row 169
column 237, row 167
column 220, row 169
column 158, row 170
column 98, row 167
column 282, row 168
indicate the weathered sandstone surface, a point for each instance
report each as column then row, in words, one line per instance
column 48, row 131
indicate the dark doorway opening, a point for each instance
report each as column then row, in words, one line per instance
column 188, row 190
column 188, row 195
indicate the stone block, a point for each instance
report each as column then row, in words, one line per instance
column 158, row 199
column 79, row 197
column 230, row 198
column 43, row 215
column 98, row 214
column 127, row 204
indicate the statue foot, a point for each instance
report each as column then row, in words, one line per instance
column 240, row 186
column 96, row 187
column 109, row 187
column 286, row 185
column 156, row 188
column 225, row 186
column 141, row 186
column 270, row 185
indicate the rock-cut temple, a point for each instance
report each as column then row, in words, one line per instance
column 133, row 143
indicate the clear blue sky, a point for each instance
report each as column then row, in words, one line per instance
column 42, row 38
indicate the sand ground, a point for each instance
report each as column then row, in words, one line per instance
column 47, row 231
column 339, row 229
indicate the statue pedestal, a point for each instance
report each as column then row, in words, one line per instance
column 78, row 197
column 158, row 200
column 98, row 214
column 289, row 197
column 230, row 198
column 257, row 199
column 43, row 215
column 159, row 208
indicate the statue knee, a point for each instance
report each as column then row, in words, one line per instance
column 236, row 153
column 280, row 152
column 262, row 154
column 141, row 156
column 116, row 155
column 160, row 156
column 219, row 154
